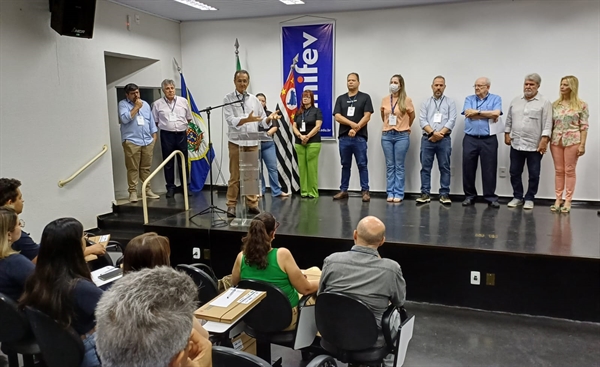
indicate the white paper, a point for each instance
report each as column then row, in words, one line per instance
column 496, row 127
column 107, row 269
column 248, row 298
column 227, row 297
column 406, row 333
column 103, row 238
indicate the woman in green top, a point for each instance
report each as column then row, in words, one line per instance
column 259, row 261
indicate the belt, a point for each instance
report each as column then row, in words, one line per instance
column 480, row 136
column 173, row 132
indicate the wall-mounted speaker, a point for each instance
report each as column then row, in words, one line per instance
column 74, row 18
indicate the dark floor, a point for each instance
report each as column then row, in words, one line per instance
column 448, row 337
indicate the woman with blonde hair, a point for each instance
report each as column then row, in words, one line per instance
column 569, row 132
column 397, row 114
column 14, row 267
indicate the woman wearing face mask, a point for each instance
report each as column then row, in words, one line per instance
column 268, row 154
column 397, row 114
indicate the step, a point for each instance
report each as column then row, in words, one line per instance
column 157, row 207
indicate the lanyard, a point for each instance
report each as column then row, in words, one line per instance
column 437, row 107
column 352, row 100
column 482, row 102
column 303, row 111
column 394, row 105
column 174, row 103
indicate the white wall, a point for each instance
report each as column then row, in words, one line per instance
column 53, row 104
column 501, row 40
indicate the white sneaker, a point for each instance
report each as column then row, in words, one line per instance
column 515, row 203
column 133, row 197
column 528, row 204
column 151, row 195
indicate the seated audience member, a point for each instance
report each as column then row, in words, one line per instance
column 259, row 261
column 61, row 285
column 14, row 267
column 363, row 274
column 10, row 195
column 145, row 320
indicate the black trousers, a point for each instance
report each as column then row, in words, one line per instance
column 171, row 141
column 484, row 148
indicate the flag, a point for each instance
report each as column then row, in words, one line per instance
column 287, row 160
column 200, row 155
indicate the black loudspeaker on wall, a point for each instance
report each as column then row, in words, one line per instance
column 74, row 18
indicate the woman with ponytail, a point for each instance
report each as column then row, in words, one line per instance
column 259, row 261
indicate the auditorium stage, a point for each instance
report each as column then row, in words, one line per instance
column 541, row 263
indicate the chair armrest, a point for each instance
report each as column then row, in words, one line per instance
column 304, row 299
column 115, row 245
column 322, row 360
column 386, row 326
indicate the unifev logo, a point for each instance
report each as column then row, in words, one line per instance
column 314, row 69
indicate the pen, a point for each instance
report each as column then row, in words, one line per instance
column 232, row 291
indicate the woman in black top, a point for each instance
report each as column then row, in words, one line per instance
column 61, row 285
column 307, row 127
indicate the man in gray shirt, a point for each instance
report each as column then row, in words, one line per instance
column 363, row 274
column 528, row 129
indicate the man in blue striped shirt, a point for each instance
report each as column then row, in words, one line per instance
column 138, row 135
column 437, row 119
column 480, row 110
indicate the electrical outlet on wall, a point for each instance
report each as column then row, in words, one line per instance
column 502, row 172
column 475, row 278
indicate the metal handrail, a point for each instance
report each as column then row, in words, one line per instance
column 62, row 183
column 184, row 183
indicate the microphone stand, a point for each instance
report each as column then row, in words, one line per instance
column 212, row 209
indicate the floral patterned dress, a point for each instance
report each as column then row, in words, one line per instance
column 568, row 123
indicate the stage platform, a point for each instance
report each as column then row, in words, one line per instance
column 540, row 263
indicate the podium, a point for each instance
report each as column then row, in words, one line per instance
column 249, row 163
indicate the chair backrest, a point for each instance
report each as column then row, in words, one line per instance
column 207, row 287
column 14, row 325
column 345, row 322
column 61, row 347
column 272, row 314
column 227, row 357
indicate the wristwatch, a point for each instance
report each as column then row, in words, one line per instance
column 431, row 133
column 479, row 112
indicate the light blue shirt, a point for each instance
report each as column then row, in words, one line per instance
column 491, row 102
column 443, row 105
column 140, row 135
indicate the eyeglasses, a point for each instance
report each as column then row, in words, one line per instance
column 276, row 225
column 480, row 86
column 21, row 223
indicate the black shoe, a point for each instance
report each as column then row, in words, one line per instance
column 170, row 193
column 468, row 202
column 424, row 198
column 254, row 210
column 231, row 211
column 494, row 204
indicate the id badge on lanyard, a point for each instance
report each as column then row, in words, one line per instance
column 302, row 127
column 393, row 120
column 140, row 120
column 351, row 111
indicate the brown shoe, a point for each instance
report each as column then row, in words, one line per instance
column 254, row 210
column 341, row 195
column 231, row 211
column 365, row 196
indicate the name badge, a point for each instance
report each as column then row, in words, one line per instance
column 140, row 120
column 437, row 117
column 393, row 120
column 303, row 127
column 350, row 111
column 172, row 117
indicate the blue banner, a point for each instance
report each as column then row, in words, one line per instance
column 313, row 44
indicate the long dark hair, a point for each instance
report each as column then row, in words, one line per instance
column 60, row 265
column 257, row 243
column 148, row 250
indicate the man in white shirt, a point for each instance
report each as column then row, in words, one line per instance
column 242, row 117
column 527, row 131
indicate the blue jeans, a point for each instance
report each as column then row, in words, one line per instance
column 90, row 358
column 395, row 146
column 356, row 146
column 429, row 150
column 268, row 155
column 517, row 164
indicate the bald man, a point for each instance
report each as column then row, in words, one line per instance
column 363, row 274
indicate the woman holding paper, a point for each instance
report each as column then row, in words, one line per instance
column 307, row 129
column 259, row 261
column 61, row 285
column 397, row 114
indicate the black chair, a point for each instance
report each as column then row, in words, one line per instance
column 322, row 361
column 266, row 321
column 60, row 347
column 349, row 330
column 229, row 357
column 15, row 334
column 205, row 280
column 106, row 260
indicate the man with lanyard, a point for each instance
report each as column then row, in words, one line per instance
column 172, row 115
column 437, row 118
column 138, row 135
column 353, row 111
column 480, row 110
column 527, row 132
column 244, row 116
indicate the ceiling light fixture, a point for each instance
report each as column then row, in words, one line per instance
column 292, row 2
column 196, row 4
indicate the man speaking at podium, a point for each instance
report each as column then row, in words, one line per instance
column 242, row 117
